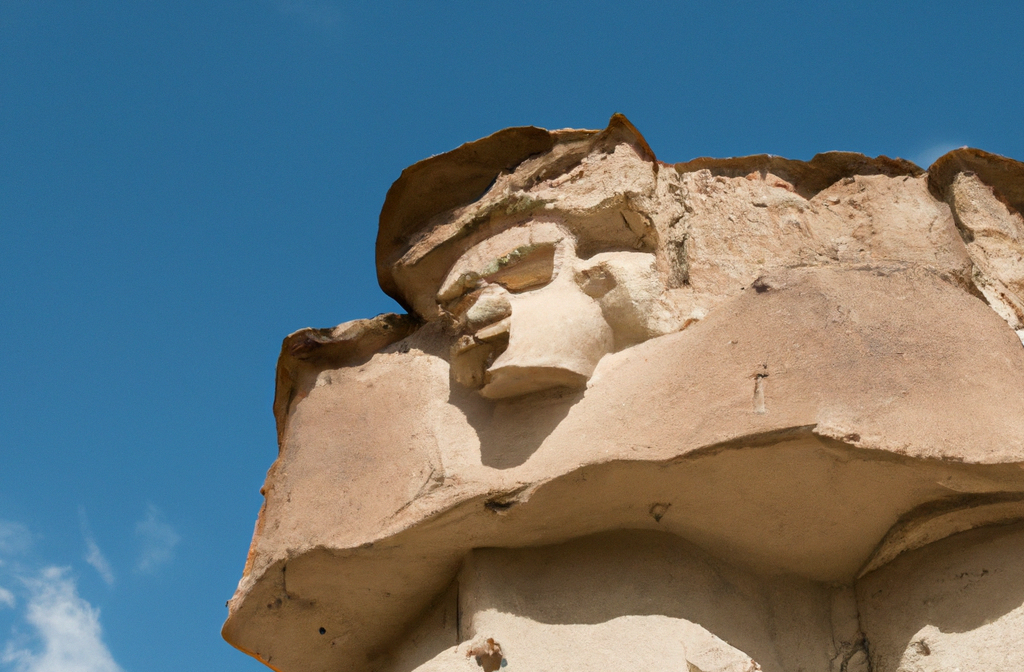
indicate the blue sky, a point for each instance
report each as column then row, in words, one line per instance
column 184, row 183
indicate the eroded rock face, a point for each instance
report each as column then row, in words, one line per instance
column 727, row 415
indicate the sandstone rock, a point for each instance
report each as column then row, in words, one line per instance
column 725, row 415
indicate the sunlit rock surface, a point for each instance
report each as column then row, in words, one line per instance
column 725, row 415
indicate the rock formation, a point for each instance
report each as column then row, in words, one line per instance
column 724, row 415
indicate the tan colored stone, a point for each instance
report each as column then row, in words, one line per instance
column 957, row 604
column 689, row 417
column 995, row 240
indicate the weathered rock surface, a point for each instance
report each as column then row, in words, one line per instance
column 732, row 414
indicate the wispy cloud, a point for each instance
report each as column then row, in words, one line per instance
column 158, row 540
column 6, row 598
column 93, row 555
column 66, row 626
column 14, row 538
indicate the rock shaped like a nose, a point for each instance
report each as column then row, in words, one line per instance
column 556, row 336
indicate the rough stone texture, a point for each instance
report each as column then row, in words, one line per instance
column 955, row 604
column 728, row 415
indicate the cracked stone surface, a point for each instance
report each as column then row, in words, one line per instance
column 724, row 415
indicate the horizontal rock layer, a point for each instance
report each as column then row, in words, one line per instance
column 831, row 383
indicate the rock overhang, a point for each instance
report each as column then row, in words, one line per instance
column 843, row 366
column 838, row 393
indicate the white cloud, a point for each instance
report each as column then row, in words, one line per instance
column 67, row 626
column 6, row 597
column 93, row 555
column 158, row 541
column 14, row 538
